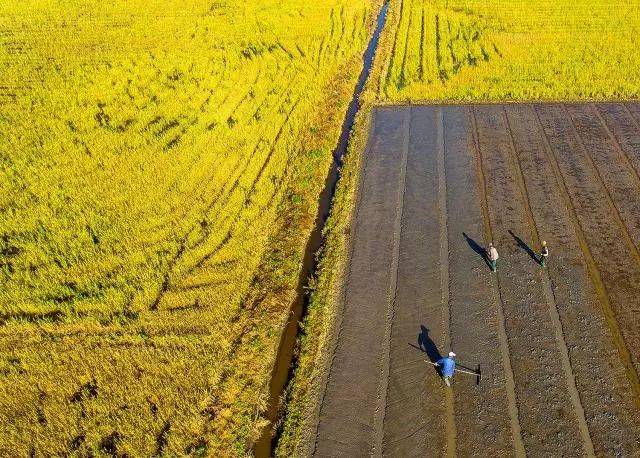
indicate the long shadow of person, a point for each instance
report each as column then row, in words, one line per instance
column 525, row 247
column 480, row 251
column 427, row 345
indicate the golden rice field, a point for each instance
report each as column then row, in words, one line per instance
column 160, row 162
column 511, row 50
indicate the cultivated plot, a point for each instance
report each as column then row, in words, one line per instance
column 559, row 346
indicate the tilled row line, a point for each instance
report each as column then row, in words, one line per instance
column 486, row 415
column 347, row 420
column 606, row 238
column 599, row 376
column 543, row 403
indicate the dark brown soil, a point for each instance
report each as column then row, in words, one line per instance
column 559, row 346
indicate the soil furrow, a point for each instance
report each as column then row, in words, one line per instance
column 346, row 423
column 392, row 295
column 599, row 374
column 536, row 360
column 624, row 132
column 558, row 346
column 416, row 330
column 634, row 111
column 612, row 170
column 514, row 413
column 551, row 300
column 482, row 412
column 444, row 276
column 619, row 271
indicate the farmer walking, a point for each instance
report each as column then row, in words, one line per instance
column 447, row 367
column 492, row 256
column 544, row 253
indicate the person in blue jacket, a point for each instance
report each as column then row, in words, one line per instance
column 447, row 367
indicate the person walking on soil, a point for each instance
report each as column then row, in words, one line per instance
column 492, row 256
column 447, row 367
column 544, row 253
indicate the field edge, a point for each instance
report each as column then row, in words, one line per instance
column 319, row 330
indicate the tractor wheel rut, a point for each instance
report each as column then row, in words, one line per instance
column 393, row 291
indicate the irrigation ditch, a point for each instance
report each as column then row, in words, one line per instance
column 285, row 363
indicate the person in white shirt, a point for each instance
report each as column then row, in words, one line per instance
column 492, row 256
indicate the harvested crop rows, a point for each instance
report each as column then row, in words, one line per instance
column 559, row 346
column 160, row 166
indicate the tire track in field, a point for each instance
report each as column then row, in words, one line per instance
column 239, row 167
column 395, row 45
column 391, row 299
column 336, row 329
column 594, row 272
column 444, row 277
column 551, row 302
column 498, row 301
column 184, row 246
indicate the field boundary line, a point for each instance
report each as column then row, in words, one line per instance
column 551, row 301
column 510, row 386
column 444, row 278
column 612, row 202
column 594, row 272
column 616, row 144
column 382, row 391
column 336, row 329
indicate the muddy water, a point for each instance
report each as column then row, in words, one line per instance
column 283, row 369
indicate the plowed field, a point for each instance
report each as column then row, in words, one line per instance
column 559, row 346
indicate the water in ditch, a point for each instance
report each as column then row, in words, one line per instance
column 283, row 369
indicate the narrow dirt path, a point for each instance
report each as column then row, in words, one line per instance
column 516, row 429
column 551, row 301
column 444, row 275
column 346, row 423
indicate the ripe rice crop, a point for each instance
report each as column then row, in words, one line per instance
column 159, row 165
column 511, row 50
